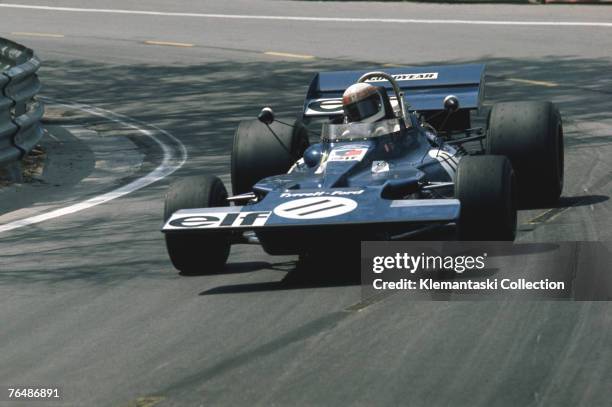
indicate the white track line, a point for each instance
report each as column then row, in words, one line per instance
column 170, row 163
column 319, row 19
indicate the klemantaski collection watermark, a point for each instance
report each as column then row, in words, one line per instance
column 467, row 285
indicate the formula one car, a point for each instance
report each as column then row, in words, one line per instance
column 383, row 168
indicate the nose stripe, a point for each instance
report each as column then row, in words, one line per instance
column 307, row 205
column 320, row 210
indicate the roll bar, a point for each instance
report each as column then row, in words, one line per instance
column 398, row 93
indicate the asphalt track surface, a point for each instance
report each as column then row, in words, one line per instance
column 90, row 302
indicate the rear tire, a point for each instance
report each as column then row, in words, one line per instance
column 530, row 134
column 258, row 154
column 193, row 253
column 485, row 186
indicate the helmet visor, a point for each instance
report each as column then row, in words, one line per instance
column 362, row 109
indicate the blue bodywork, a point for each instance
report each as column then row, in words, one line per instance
column 392, row 184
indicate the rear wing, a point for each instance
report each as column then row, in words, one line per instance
column 424, row 88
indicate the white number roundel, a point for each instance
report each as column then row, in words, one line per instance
column 315, row 207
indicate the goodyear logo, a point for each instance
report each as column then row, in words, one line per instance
column 407, row 77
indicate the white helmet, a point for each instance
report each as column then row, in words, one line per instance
column 363, row 102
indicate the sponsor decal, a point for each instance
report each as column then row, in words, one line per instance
column 347, row 154
column 407, row 77
column 220, row 220
column 326, row 105
column 321, row 193
column 315, row 207
column 380, row 166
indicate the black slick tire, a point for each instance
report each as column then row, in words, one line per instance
column 193, row 252
column 486, row 187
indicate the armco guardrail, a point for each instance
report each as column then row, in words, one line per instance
column 20, row 112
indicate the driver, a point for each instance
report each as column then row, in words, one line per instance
column 366, row 103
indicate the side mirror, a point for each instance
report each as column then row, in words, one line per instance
column 266, row 116
column 313, row 155
column 451, row 103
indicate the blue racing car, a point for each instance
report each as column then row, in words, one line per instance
column 397, row 156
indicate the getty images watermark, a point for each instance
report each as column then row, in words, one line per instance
column 481, row 270
column 458, row 264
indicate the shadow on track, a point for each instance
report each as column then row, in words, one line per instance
column 567, row 202
column 317, row 273
column 245, row 267
column 585, row 200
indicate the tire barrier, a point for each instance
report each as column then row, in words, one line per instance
column 20, row 111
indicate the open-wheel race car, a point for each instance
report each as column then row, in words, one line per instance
column 385, row 167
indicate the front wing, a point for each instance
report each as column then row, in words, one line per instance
column 274, row 212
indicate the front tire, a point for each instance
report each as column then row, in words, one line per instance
column 530, row 134
column 195, row 253
column 486, row 187
column 261, row 152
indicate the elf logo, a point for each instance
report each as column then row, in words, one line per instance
column 219, row 220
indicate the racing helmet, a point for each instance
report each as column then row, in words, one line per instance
column 363, row 102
